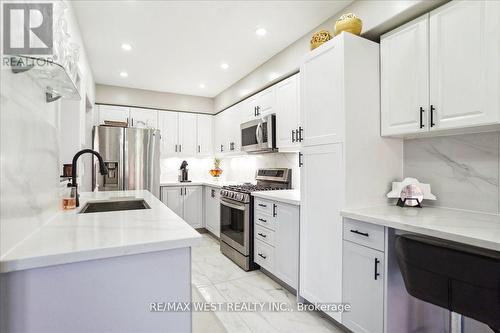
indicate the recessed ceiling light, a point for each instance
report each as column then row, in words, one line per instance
column 224, row 66
column 123, row 74
column 126, row 47
column 261, row 31
column 202, row 85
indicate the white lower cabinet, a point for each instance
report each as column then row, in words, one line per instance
column 363, row 270
column 212, row 210
column 185, row 201
column 276, row 238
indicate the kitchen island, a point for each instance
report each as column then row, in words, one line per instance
column 101, row 271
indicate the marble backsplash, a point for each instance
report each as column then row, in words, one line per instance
column 463, row 170
column 29, row 155
column 235, row 168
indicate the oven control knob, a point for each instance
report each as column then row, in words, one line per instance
column 239, row 197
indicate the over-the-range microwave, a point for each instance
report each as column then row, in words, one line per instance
column 259, row 135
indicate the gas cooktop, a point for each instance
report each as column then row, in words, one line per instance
column 267, row 180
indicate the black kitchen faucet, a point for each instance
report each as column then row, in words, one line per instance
column 102, row 169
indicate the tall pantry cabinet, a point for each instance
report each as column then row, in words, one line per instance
column 344, row 161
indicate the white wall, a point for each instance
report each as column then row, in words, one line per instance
column 30, row 146
column 152, row 99
column 378, row 17
column 237, row 168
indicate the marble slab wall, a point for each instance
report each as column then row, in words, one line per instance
column 29, row 154
column 463, row 170
column 236, row 168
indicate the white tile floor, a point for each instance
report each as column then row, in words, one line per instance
column 218, row 279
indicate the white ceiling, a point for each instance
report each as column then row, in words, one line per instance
column 178, row 45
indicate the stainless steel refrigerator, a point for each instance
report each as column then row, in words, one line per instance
column 132, row 156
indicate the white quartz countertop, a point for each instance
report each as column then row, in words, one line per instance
column 212, row 183
column 291, row 197
column 70, row 237
column 473, row 228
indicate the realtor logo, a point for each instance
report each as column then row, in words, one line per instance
column 27, row 28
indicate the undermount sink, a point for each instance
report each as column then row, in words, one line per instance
column 114, row 205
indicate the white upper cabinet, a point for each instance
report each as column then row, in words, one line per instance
column 143, row 118
column 464, row 63
column 405, row 78
column 179, row 133
column 260, row 104
column 168, row 125
column 113, row 113
column 187, row 134
column 233, row 122
column 220, row 145
column 287, row 114
column 227, row 130
column 439, row 73
column 321, row 96
column 205, row 135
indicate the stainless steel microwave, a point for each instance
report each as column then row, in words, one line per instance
column 259, row 135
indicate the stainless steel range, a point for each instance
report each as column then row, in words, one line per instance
column 236, row 214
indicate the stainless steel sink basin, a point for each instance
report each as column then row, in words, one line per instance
column 114, row 205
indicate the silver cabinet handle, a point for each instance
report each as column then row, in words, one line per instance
column 175, row 148
column 262, row 235
column 262, row 256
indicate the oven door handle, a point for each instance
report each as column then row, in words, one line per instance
column 231, row 205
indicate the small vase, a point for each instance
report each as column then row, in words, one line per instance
column 215, row 172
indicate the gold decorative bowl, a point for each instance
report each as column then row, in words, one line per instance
column 215, row 172
column 350, row 23
column 319, row 38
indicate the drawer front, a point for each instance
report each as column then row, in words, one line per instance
column 265, row 220
column 264, row 255
column 263, row 234
column 263, row 206
column 367, row 234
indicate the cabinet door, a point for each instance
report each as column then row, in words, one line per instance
column 168, row 125
column 143, row 118
column 265, row 101
column 248, row 108
column 363, row 289
column 205, row 135
column 321, row 96
column 404, row 78
column 322, row 196
column 172, row 197
column 464, row 65
column 193, row 205
column 187, row 134
column 212, row 210
column 219, row 133
column 287, row 113
column 286, row 244
column 113, row 113
column 233, row 121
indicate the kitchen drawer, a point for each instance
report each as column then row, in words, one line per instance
column 265, row 220
column 264, row 255
column 264, row 206
column 264, row 234
column 367, row 234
